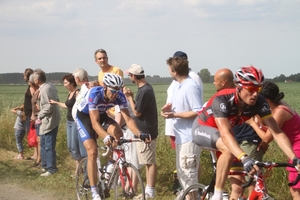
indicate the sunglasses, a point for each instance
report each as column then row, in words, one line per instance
column 252, row 88
column 113, row 91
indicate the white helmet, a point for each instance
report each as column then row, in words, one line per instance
column 112, row 80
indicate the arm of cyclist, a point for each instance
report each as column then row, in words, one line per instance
column 280, row 137
column 133, row 127
column 95, row 119
column 225, row 130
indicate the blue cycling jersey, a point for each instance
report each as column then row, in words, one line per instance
column 94, row 100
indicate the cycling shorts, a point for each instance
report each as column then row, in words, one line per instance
column 85, row 127
column 205, row 136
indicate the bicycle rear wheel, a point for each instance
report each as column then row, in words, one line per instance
column 199, row 192
column 83, row 188
column 129, row 184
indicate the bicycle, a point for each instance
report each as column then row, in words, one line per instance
column 205, row 192
column 119, row 180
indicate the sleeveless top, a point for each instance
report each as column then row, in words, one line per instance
column 69, row 103
column 291, row 128
column 27, row 102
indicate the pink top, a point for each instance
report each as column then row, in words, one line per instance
column 292, row 129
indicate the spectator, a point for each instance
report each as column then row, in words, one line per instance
column 71, row 127
column 289, row 121
column 31, row 89
column 19, row 129
column 35, row 110
column 49, row 118
column 168, row 124
column 145, row 116
column 186, row 102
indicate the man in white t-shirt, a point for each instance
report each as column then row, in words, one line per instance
column 169, row 124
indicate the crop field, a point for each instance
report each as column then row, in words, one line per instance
column 13, row 95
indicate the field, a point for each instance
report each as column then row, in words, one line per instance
column 64, row 186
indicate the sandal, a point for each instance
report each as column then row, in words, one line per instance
column 19, row 157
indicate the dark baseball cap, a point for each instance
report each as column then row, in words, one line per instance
column 180, row 54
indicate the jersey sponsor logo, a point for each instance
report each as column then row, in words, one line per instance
column 202, row 134
column 209, row 111
column 82, row 133
column 265, row 108
column 223, row 107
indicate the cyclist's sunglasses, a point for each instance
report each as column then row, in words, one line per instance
column 113, row 91
column 252, row 88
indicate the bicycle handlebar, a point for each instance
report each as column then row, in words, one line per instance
column 270, row 165
column 123, row 141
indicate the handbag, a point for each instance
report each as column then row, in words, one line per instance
column 31, row 137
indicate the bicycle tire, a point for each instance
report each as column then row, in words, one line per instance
column 200, row 190
column 128, row 192
column 83, row 189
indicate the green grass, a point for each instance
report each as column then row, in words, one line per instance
column 63, row 185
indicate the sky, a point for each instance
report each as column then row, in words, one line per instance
column 62, row 35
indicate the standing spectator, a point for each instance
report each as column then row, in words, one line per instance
column 49, row 118
column 186, row 102
column 71, row 127
column 102, row 60
column 168, row 124
column 35, row 111
column 27, row 104
column 145, row 115
column 289, row 121
column 19, row 129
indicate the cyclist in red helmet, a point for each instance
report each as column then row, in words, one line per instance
column 212, row 129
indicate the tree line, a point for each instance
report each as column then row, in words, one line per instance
column 56, row 78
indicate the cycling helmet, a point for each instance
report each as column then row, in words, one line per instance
column 249, row 76
column 112, row 80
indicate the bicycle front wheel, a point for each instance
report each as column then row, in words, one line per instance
column 129, row 184
column 196, row 192
column 83, row 188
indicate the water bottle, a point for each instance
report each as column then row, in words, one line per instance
column 108, row 169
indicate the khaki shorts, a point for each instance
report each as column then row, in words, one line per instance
column 187, row 163
column 149, row 156
column 251, row 150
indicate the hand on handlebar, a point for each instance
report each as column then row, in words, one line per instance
column 296, row 162
column 145, row 137
column 249, row 166
column 109, row 141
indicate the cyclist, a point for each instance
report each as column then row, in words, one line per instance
column 212, row 129
column 93, row 121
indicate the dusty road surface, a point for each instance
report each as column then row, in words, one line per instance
column 15, row 192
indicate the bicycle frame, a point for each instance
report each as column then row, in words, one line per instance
column 120, row 168
column 259, row 192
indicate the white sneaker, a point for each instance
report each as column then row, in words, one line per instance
column 96, row 197
column 46, row 174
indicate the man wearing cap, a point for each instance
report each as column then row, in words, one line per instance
column 145, row 115
column 195, row 77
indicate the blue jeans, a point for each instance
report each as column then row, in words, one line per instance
column 19, row 139
column 48, row 152
column 74, row 142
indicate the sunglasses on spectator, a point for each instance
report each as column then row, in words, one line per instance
column 252, row 88
column 113, row 91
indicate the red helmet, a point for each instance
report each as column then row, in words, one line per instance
column 249, row 76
